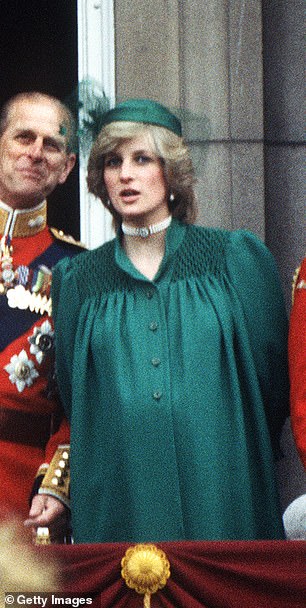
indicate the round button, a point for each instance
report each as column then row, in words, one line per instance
column 157, row 395
column 150, row 294
column 44, row 342
column 155, row 361
column 153, row 326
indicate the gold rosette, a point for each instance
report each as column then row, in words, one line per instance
column 146, row 569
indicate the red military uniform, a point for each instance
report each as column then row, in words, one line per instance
column 297, row 361
column 29, row 410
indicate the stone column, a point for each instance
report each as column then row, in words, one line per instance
column 284, row 134
column 205, row 58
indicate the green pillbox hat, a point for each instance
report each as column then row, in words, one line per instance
column 143, row 110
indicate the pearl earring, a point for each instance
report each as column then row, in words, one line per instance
column 171, row 197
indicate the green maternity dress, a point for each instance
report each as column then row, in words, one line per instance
column 176, row 389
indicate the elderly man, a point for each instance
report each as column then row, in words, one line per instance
column 36, row 131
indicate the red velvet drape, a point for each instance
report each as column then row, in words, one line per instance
column 255, row 574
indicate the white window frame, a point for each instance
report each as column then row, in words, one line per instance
column 96, row 63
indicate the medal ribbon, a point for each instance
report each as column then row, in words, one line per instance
column 14, row 322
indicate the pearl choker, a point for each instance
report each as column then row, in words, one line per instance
column 146, row 231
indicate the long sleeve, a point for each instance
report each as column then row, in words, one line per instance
column 254, row 273
column 64, row 298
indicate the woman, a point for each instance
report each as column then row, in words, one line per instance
column 171, row 354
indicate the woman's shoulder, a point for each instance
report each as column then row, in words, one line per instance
column 217, row 241
column 212, row 248
column 206, row 235
column 89, row 273
column 88, row 259
column 219, row 234
column 201, row 252
column 222, row 240
column 244, row 244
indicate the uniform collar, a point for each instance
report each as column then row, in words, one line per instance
column 22, row 222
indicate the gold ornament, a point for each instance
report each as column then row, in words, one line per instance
column 146, row 569
column 42, row 536
column 294, row 283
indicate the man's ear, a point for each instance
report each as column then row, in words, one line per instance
column 69, row 164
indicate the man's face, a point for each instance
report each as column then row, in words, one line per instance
column 33, row 156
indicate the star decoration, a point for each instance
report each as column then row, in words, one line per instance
column 42, row 341
column 21, row 371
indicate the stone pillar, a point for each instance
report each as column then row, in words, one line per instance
column 284, row 134
column 147, row 50
column 205, row 58
column 222, row 79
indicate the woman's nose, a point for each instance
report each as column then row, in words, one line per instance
column 126, row 172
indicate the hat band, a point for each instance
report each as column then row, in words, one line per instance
column 144, row 111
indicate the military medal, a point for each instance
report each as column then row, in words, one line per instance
column 24, row 287
column 7, row 275
column 21, row 371
column 21, row 298
column 27, row 288
column 42, row 341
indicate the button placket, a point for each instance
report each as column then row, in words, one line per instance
column 157, row 394
column 154, row 331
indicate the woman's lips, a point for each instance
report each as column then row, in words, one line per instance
column 129, row 195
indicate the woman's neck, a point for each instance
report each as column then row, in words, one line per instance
column 146, row 254
column 146, row 230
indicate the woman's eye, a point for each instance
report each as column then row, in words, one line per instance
column 113, row 161
column 143, row 158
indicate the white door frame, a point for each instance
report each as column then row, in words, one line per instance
column 96, row 64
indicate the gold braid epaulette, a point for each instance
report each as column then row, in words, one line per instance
column 42, row 470
column 294, row 282
column 66, row 238
column 56, row 481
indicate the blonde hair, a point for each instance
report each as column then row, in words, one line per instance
column 174, row 156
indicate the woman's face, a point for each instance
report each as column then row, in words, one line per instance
column 135, row 183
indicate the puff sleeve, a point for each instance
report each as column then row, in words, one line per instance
column 65, row 307
column 253, row 271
